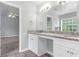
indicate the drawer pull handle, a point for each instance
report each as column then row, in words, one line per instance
column 71, row 53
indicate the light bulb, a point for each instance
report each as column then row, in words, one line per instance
column 13, row 16
column 9, row 15
column 45, row 7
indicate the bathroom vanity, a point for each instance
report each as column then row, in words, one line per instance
column 64, row 18
column 59, row 45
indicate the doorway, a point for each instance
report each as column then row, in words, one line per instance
column 9, row 28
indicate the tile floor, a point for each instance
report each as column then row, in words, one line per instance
column 28, row 53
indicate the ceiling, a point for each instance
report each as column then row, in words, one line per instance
column 6, row 9
column 40, row 3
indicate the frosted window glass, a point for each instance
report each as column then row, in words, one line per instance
column 68, row 24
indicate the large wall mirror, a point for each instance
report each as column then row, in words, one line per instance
column 49, row 23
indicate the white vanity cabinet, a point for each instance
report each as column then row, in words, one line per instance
column 61, row 47
column 66, row 48
column 37, row 44
column 33, row 43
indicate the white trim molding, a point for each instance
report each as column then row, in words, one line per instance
column 49, row 52
column 23, row 50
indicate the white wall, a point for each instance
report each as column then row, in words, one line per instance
column 28, row 14
column 78, row 15
column 10, row 27
column 41, row 22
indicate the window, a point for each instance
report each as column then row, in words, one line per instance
column 68, row 24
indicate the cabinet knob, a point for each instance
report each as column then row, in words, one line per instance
column 67, row 51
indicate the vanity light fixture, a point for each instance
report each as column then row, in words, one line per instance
column 11, row 15
column 61, row 2
column 45, row 7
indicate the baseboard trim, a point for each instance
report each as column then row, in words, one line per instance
column 49, row 52
column 34, row 52
column 9, row 36
column 23, row 50
column 41, row 54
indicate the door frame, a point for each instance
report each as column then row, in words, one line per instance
column 20, row 21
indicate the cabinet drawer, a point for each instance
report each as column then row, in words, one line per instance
column 61, row 50
column 68, row 43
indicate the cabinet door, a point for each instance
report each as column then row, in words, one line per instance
column 61, row 51
column 33, row 43
column 66, row 48
column 74, row 53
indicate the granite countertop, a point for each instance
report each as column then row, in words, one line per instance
column 67, row 36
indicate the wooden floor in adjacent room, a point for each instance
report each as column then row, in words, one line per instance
column 10, row 48
column 9, row 44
